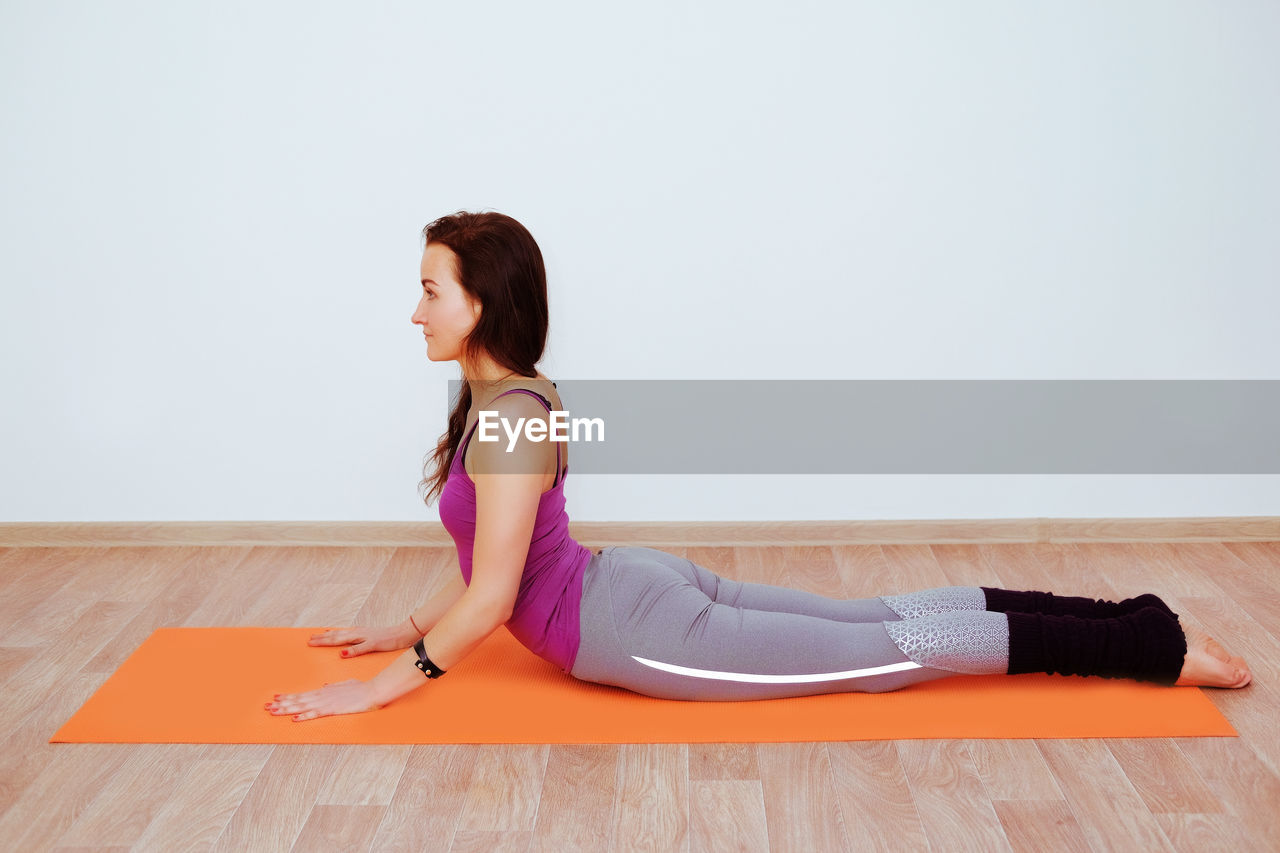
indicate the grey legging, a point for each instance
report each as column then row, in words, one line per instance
column 663, row 626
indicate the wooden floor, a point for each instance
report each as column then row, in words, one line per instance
column 70, row 615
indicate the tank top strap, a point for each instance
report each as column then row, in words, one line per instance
column 546, row 403
column 544, row 400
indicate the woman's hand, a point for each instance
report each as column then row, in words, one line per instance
column 362, row 640
column 345, row 697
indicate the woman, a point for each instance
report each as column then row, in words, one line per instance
column 654, row 623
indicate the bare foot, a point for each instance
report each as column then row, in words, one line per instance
column 1208, row 664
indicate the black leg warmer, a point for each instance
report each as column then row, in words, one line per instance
column 1011, row 601
column 1147, row 645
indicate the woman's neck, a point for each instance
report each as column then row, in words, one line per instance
column 486, row 372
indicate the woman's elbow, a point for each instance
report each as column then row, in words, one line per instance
column 502, row 615
column 491, row 612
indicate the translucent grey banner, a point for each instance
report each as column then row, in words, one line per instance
column 916, row 426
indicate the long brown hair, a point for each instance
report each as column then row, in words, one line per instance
column 499, row 264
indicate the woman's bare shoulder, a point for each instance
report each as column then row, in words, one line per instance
column 507, row 447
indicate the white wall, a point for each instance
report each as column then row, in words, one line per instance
column 211, row 220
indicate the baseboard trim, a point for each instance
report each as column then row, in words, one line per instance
column 654, row 534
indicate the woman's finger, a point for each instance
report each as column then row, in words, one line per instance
column 332, row 637
column 288, row 703
column 332, row 698
column 309, row 709
column 360, row 648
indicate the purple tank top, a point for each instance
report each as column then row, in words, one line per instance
column 545, row 617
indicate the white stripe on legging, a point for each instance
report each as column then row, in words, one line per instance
column 758, row 678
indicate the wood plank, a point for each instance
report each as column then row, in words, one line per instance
column 49, row 667
column 258, row 752
column 332, row 605
column 912, row 568
column 291, row 569
column 133, row 796
column 197, row 812
column 506, row 786
column 12, row 659
column 277, row 806
column 875, row 799
column 1243, row 782
column 25, row 750
column 1013, row 770
column 726, row 815
column 1129, row 574
column 407, row 580
column 38, row 581
column 954, row 808
column 723, row 761
column 863, row 570
column 1016, row 567
column 1035, row 826
column 332, row 827
column 424, row 811
column 1079, row 569
column 1185, row 569
column 812, row 568
column 143, row 573
column 761, row 565
column 653, row 797
column 365, row 775
column 191, row 577
column 801, row 809
column 479, row 841
column 718, row 560
column 963, row 565
column 1110, row 812
column 1195, row 833
column 1250, row 584
column 1162, row 776
column 51, row 802
column 88, row 574
column 1262, row 555
column 576, row 808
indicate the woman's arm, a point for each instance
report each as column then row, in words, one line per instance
column 506, row 511
column 426, row 616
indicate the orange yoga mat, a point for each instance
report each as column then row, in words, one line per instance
column 208, row 685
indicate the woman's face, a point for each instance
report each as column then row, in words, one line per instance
column 446, row 313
